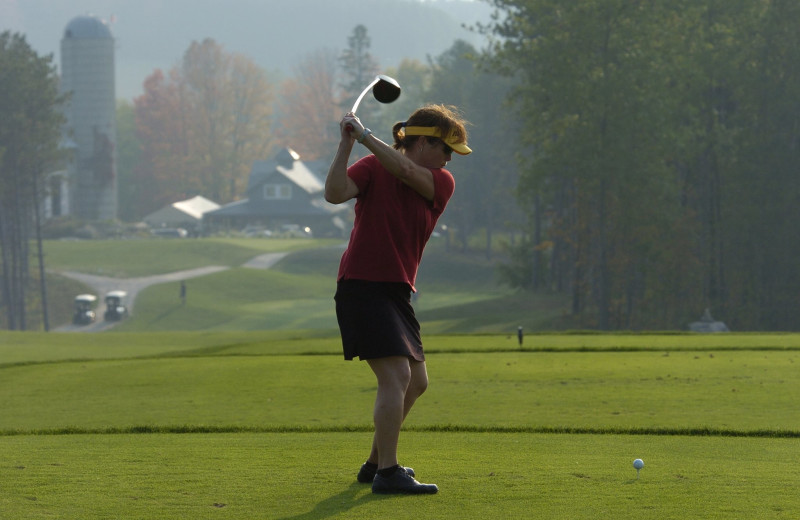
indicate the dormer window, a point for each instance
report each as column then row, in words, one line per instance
column 277, row 191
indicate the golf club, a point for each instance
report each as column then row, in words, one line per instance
column 384, row 89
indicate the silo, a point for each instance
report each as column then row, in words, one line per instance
column 87, row 71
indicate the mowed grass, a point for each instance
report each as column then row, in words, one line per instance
column 275, row 424
column 746, row 393
column 310, row 476
column 457, row 294
column 141, row 257
column 238, row 299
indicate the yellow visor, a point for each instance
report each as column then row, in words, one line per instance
column 432, row 131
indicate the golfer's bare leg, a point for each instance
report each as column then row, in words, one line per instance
column 416, row 387
column 394, row 377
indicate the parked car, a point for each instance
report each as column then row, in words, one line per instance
column 84, row 309
column 115, row 310
column 295, row 231
column 256, row 232
column 170, row 232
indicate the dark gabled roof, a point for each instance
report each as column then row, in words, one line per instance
column 234, row 209
column 286, row 163
column 317, row 207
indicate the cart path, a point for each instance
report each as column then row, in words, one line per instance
column 103, row 284
column 264, row 261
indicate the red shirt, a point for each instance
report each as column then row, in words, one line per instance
column 392, row 224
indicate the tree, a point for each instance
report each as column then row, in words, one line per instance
column 163, row 172
column 229, row 102
column 414, row 78
column 594, row 101
column 358, row 67
column 759, row 194
column 129, row 150
column 201, row 126
column 486, row 178
column 30, row 130
column 662, row 143
column 308, row 108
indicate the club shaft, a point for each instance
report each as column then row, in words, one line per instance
column 363, row 93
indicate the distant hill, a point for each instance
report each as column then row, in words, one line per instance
column 154, row 34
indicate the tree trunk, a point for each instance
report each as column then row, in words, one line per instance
column 40, row 255
column 536, row 279
column 7, row 295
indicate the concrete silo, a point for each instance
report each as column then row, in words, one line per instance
column 87, row 71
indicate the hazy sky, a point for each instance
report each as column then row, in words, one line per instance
column 151, row 34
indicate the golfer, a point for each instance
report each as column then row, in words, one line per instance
column 400, row 191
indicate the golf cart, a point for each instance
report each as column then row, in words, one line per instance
column 84, row 309
column 115, row 310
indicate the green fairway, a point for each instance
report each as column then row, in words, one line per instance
column 742, row 392
column 312, row 476
column 238, row 299
column 297, row 294
column 458, row 293
column 129, row 258
column 275, row 425
column 28, row 347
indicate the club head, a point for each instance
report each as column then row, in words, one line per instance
column 386, row 90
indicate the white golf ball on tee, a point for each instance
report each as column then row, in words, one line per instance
column 638, row 463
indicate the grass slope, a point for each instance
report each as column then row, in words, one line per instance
column 456, row 294
column 131, row 258
column 237, row 299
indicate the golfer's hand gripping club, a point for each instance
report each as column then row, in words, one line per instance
column 353, row 125
column 386, row 90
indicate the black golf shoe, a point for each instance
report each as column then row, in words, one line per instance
column 367, row 473
column 401, row 483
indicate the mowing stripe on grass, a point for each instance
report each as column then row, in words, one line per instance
column 223, row 352
column 607, row 349
column 445, row 428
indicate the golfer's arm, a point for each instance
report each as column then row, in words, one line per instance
column 338, row 186
column 417, row 177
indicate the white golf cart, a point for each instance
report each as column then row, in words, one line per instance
column 115, row 309
column 84, row 309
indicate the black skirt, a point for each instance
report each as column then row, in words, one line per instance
column 376, row 320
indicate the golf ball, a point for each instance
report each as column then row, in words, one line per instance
column 638, row 463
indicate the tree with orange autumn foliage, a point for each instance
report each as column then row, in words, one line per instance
column 308, row 107
column 201, row 126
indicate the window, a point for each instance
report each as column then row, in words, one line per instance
column 277, row 191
